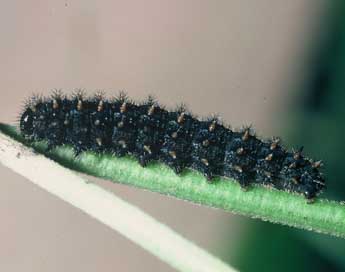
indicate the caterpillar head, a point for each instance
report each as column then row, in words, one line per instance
column 26, row 123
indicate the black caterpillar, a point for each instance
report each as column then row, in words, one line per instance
column 149, row 132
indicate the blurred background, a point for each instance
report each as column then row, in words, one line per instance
column 278, row 65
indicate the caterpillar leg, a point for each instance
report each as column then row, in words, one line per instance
column 177, row 169
column 143, row 161
column 209, row 177
column 310, row 200
column 244, row 183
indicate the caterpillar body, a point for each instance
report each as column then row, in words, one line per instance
column 150, row 132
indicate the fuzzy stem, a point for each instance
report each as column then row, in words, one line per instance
column 258, row 202
column 109, row 209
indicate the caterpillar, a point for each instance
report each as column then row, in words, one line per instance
column 150, row 132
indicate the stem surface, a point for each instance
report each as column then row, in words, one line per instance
column 268, row 204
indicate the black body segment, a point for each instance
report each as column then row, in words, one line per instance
column 241, row 156
column 100, row 124
column 125, row 116
column 40, row 120
column 176, row 150
column 301, row 174
column 208, row 148
column 79, row 120
column 149, row 132
column 55, row 132
column 270, row 157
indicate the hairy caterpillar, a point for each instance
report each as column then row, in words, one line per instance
column 149, row 132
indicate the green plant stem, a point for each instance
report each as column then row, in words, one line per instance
column 258, row 202
column 109, row 209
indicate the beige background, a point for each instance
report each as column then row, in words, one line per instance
column 235, row 58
